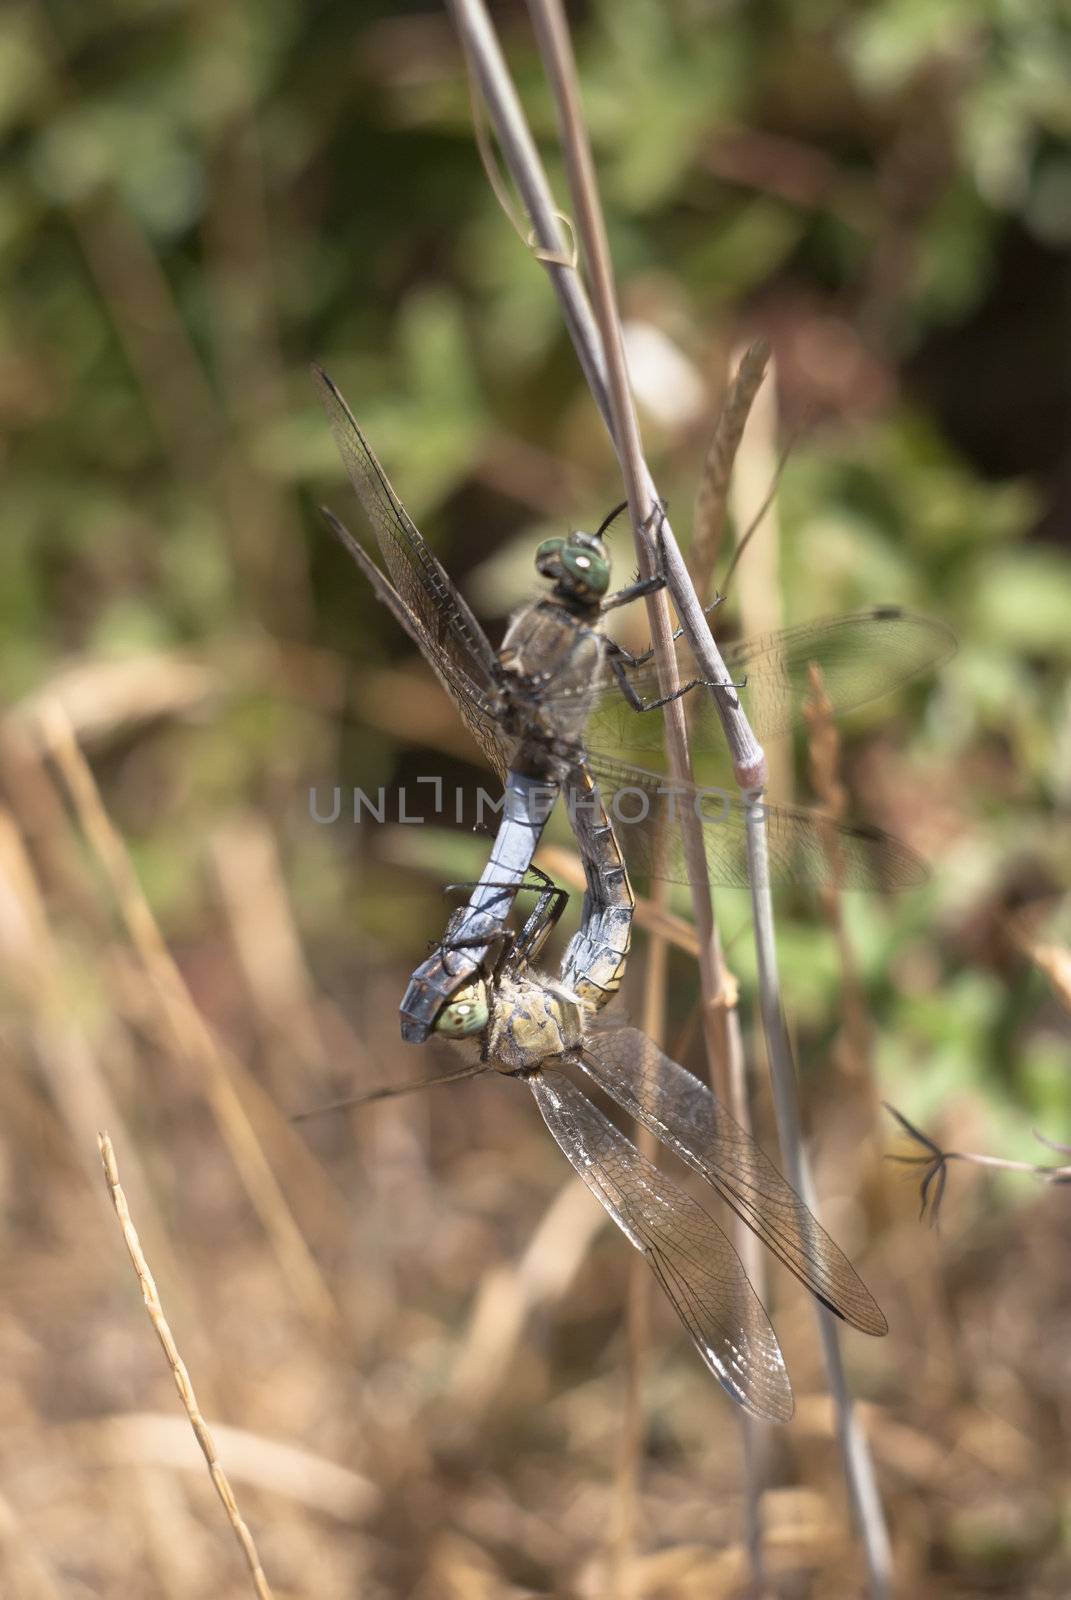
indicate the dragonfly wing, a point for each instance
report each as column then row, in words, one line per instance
column 861, row 657
column 415, row 570
column 804, row 848
column 471, row 704
column 683, row 1114
column 686, row 1250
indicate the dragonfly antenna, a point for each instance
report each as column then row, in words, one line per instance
column 613, row 516
column 389, row 1091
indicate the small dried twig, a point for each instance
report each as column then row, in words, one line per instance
column 712, row 496
column 759, row 516
column 151, row 1296
column 823, row 747
column 935, row 1162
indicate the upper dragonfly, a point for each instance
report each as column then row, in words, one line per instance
column 561, row 697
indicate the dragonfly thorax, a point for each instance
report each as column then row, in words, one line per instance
column 532, row 1021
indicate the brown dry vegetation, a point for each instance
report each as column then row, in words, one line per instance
column 407, row 1327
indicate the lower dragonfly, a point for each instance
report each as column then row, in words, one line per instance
column 560, row 699
column 538, row 1029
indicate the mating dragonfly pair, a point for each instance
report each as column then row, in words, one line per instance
column 551, row 711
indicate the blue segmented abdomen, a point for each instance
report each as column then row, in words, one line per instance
column 594, row 962
column 474, row 932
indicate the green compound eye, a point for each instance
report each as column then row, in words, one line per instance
column 467, row 1013
column 588, row 570
column 548, row 550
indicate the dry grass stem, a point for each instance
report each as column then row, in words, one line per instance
column 624, row 1534
column 712, row 495
column 823, row 747
column 178, row 1369
column 1054, row 960
column 152, row 1438
column 556, row 47
column 758, row 578
column 245, row 860
column 555, row 43
column 191, row 1034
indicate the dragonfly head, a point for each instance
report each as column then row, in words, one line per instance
column 579, row 565
column 467, row 1014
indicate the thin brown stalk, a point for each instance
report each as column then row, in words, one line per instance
column 151, row 1296
column 753, row 507
column 245, row 860
column 1054, row 960
column 70, row 1060
column 712, row 495
column 758, row 517
column 623, row 1543
column 191, row 1034
column 552, row 31
column 748, row 759
column 823, row 747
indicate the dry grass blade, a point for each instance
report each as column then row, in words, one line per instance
column 150, row 1438
column 724, row 1062
column 1054, row 960
column 823, row 749
column 178, row 1368
column 712, row 495
column 249, row 872
column 185, row 1024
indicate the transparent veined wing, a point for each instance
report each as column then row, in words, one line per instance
column 683, row 1114
column 861, row 656
column 446, row 630
column 805, row 848
column 475, row 711
column 686, row 1250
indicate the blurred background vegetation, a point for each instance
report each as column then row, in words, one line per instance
column 195, row 201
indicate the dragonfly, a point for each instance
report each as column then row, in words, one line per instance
column 539, row 1030
column 561, row 698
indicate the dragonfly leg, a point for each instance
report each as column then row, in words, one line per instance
column 525, row 945
column 543, row 918
column 639, row 704
column 634, row 591
column 678, row 633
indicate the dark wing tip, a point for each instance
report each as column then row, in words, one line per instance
column 945, row 642
column 324, row 380
column 895, row 865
